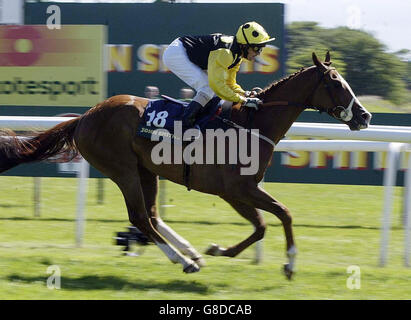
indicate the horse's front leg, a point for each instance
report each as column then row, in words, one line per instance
column 256, row 197
column 252, row 215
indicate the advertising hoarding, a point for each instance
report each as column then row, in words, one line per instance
column 52, row 67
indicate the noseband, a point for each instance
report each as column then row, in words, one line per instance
column 338, row 112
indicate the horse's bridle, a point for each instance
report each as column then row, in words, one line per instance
column 345, row 114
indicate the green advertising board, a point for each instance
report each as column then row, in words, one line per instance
column 138, row 34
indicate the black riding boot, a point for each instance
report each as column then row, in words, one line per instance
column 190, row 113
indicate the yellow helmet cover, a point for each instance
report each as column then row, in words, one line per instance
column 252, row 33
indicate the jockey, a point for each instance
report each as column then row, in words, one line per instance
column 210, row 63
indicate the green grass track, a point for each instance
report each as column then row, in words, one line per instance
column 335, row 227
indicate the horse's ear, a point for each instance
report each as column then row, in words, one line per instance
column 317, row 62
column 328, row 57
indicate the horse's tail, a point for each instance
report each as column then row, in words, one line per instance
column 16, row 150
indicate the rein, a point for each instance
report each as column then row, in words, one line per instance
column 345, row 114
column 237, row 126
column 305, row 105
column 288, row 103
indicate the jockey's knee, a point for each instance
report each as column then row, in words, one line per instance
column 203, row 96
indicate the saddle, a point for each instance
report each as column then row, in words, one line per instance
column 160, row 116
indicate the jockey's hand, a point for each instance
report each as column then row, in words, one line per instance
column 252, row 103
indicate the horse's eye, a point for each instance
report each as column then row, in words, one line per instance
column 337, row 84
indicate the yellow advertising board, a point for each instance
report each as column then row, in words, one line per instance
column 52, row 67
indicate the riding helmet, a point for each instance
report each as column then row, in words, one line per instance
column 251, row 33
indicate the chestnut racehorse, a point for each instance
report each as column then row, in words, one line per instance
column 106, row 137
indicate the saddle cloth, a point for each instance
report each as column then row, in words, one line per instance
column 160, row 114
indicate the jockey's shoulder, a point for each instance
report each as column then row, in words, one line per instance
column 223, row 56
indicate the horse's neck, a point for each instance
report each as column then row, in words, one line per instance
column 275, row 121
column 295, row 90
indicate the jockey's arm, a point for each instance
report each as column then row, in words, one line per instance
column 223, row 80
column 232, row 80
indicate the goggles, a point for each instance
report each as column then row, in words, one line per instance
column 257, row 49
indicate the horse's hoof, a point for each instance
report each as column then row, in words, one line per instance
column 213, row 250
column 191, row 268
column 288, row 271
column 200, row 261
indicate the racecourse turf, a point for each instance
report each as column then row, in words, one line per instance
column 335, row 226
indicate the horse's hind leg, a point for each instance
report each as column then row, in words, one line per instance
column 130, row 186
column 149, row 184
column 252, row 215
column 106, row 142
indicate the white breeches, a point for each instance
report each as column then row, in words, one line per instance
column 176, row 59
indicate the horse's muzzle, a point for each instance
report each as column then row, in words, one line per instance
column 361, row 121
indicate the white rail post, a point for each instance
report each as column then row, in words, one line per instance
column 162, row 198
column 36, row 196
column 407, row 213
column 406, row 201
column 390, row 175
column 100, row 190
column 82, row 175
column 259, row 244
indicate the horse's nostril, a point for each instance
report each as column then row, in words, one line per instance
column 366, row 116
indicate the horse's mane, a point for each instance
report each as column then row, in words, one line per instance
column 276, row 84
